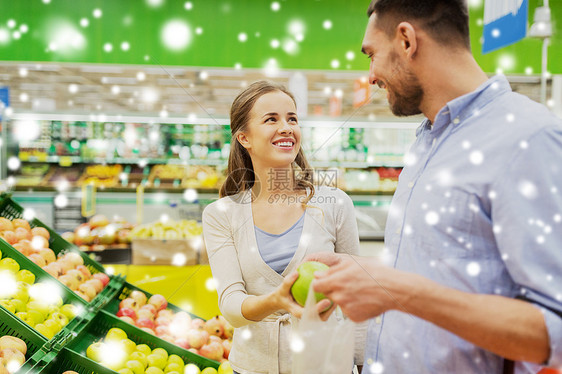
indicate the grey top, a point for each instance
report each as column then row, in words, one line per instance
column 277, row 250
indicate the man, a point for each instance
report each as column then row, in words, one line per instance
column 474, row 232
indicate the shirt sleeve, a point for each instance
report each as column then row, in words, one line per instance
column 223, row 259
column 347, row 241
column 527, row 215
column 347, row 236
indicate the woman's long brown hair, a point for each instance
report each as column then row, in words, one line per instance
column 240, row 173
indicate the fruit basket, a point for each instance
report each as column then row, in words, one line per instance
column 152, row 313
column 12, row 326
column 50, row 253
column 35, row 298
column 88, row 340
column 61, row 361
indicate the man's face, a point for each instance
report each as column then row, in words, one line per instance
column 389, row 71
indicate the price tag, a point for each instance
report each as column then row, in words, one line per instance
column 88, row 200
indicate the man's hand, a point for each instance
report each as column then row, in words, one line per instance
column 361, row 286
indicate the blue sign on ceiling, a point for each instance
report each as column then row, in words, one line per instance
column 505, row 22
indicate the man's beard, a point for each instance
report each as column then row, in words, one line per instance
column 407, row 94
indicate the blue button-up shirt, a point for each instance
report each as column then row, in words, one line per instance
column 478, row 208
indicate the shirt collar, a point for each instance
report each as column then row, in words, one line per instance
column 462, row 107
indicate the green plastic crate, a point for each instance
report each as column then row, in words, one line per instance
column 11, row 210
column 67, row 295
column 13, row 326
column 61, row 361
column 113, row 305
column 102, row 321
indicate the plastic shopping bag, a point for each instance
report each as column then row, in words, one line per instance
column 321, row 347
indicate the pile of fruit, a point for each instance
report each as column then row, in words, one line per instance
column 37, row 304
column 184, row 229
column 100, row 233
column 211, row 339
column 12, row 354
column 69, row 268
column 102, row 175
column 119, row 353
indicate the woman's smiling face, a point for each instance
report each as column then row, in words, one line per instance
column 272, row 136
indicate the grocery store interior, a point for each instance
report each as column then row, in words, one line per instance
column 115, row 136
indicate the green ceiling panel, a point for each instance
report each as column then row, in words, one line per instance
column 222, row 33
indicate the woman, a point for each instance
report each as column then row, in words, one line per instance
column 269, row 217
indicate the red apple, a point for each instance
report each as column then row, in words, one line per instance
column 145, row 314
column 214, row 326
column 84, row 270
column 127, row 319
column 145, row 322
column 102, row 277
column 162, row 330
column 197, row 323
column 148, row 330
column 193, row 350
column 227, row 345
column 127, row 312
column 162, row 321
column 139, row 296
column 150, row 307
column 158, row 301
column 128, row 303
column 166, row 313
column 214, row 351
column 197, row 338
column 98, row 285
column 37, row 259
column 182, row 342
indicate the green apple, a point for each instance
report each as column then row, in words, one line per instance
column 125, row 371
column 175, row 359
column 94, row 351
column 60, row 318
column 19, row 305
column 129, row 346
column 306, row 270
column 9, row 264
column 143, row 348
column 136, row 366
column 153, row 370
column 69, row 311
column 116, row 334
column 173, row 372
column 8, row 305
column 157, row 360
column 225, row 368
column 22, row 292
column 44, row 330
column 173, row 367
column 25, row 317
column 39, row 307
column 192, row 369
column 26, row 276
column 53, row 325
column 36, row 316
column 209, row 370
column 139, row 356
column 160, row 351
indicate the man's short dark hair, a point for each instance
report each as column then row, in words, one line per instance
column 446, row 21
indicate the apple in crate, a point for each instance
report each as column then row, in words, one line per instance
column 158, row 301
column 150, row 308
column 127, row 319
column 104, row 278
column 214, row 326
column 127, row 312
column 145, row 322
column 145, row 314
column 213, row 350
column 139, row 297
column 128, row 303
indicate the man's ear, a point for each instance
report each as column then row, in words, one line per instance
column 408, row 39
column 243, row 140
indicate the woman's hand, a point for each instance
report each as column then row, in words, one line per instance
column 284, row 299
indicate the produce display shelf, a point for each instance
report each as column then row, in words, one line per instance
column 99, row 324
column 57, row 362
